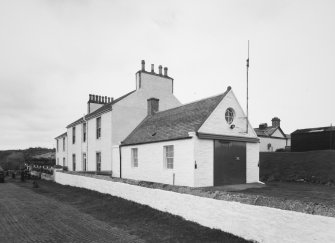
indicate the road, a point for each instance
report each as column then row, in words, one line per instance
column 32, row 217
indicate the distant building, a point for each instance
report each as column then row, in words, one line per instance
column 319, row 138
column 272, row 137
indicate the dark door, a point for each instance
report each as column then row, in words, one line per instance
column 229, row 163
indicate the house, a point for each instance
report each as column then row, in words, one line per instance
column 203, row 143
column 318, row 138
column 108, row 121
column 272, row 137
column 61, row 149
column 149, row 135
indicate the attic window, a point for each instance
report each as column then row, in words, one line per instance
column 230, row 115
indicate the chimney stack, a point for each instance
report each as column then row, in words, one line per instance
column 275, row 122
column 165, row 71
column 153, row 106
column 143, row 65
column 152, row 68
column 263, row 125
column 160, row 70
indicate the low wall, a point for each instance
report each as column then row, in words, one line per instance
column 258, row 223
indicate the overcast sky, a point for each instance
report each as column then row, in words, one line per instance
column 54, row 53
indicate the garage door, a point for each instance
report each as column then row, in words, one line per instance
column 229, row 162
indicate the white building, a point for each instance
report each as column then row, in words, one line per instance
column 148, row 135
column 272, row 137
column 61, row 149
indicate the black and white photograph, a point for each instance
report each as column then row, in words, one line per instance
column 167, row 121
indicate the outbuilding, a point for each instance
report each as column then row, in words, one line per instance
column 203, row 143
column 308, row 139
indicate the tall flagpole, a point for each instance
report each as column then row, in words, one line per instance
column 247, row 90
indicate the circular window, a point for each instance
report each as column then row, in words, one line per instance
column 230, row 115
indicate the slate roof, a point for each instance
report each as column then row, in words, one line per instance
column 268, row 131
column 103, row 109
column 265, row 132
column 174, row 123
column 62, row 135
column 316, row 129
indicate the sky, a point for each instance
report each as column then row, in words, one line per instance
column 54, row 53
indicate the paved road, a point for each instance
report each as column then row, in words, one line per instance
column 26, row 216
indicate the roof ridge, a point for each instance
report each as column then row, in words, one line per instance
column 190, row 103
column 87, row 116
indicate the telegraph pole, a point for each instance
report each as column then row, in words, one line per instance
column 247, row 125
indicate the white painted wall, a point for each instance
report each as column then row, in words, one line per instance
column 102, row 145
column 277, row 134
column 130, row 111
column 258, row 223
column 204, row 157
column 276, row 143
column 60, row 153
column 151, row 164
column 93, row 107
column 216, row 123
column 252, row 162
column 118, row 123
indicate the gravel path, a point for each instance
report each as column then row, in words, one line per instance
column 31, row 217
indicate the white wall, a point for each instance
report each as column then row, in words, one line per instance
column 102, row 145
column 151, row 164
column 252, row 162
column 130, row 111
column 276, row 143
column 216, row 123
column 256, row 223
column 204, row 156
column 60, row 154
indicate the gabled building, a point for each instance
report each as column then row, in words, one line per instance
column 148, row 135
column 203, row 143
column 272, row 137
column 109, row 121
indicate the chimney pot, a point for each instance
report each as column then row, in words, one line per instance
column 112, row 99
column 152, row 68
column 105, row 99
column 96, row 98
column 165, row 71
column 160, row 70
column 153, row 106
column 143, row 65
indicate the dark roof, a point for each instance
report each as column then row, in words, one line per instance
column 174, row 123
column 265, row 132
column 62, row 135
column 315, row 129
column 268, row 131
column 103, row 109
